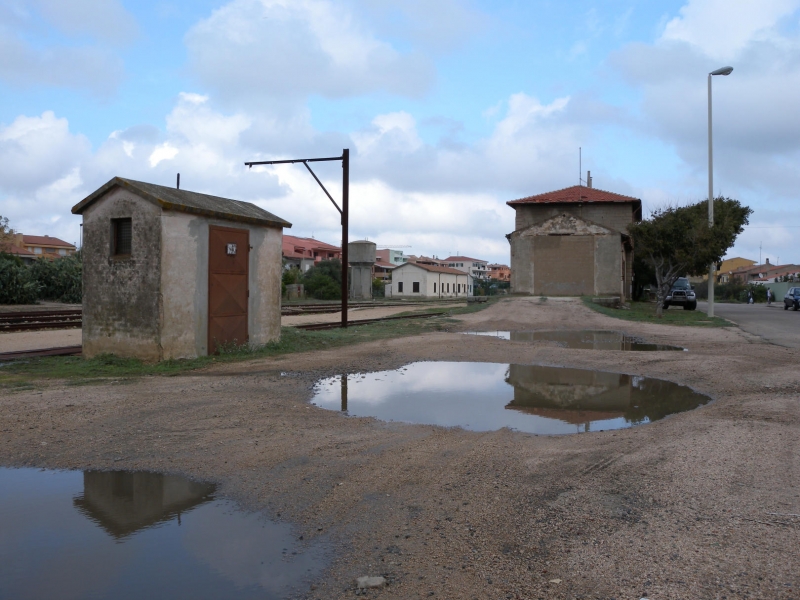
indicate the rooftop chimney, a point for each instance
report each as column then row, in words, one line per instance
column 767, row 261
column 588, row 179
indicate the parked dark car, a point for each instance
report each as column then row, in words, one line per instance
column 792, row 299
column 681, row 294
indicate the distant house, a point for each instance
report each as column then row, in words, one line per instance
column 428, row 281
column 475, row 267
column 572, row 242
column 44, row 245
column 31, row 247
column 383, row 270
column 729, row 265
column 499, row 272
column 304, row 253
column 387, row 255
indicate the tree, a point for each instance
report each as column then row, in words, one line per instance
column 324, row 280
column 676, row 241
column 6, row 235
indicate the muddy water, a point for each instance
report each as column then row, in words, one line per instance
column 67, row 534
column 489, row 396
column 584, row 339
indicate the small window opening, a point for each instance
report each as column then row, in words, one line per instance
column 400, row 287
column 415, row 287
column 122, row 232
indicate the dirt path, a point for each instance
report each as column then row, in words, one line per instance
column 33, row 340
column 676, row 509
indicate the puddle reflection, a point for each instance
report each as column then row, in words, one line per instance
column 489, row 396
column 584, row 339
column 140, row 535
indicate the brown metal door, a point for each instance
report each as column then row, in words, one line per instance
column 228, row 251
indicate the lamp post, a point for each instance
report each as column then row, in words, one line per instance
column 712, row 266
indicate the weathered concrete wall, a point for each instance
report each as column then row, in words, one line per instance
column 565, row 265
column 184, row 284
column 360, row 280
column 611, row 215
column 608, row 265
column 264, row 310
column 121, row 295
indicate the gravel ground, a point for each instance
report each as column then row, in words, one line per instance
column 354, row 314
column 34, row 340
column 702, row 504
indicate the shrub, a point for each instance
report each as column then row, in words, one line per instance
column 59, row 279
column 16, row 284
column 324, row 280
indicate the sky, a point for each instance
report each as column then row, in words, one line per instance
column 449, row 108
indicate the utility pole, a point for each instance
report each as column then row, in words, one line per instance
column 344, row 211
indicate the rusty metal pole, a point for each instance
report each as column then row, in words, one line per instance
column 345, row 223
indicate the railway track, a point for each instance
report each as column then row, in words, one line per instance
column 334, row 307
column 21, row 354
column 32, row 320
column 335, row 325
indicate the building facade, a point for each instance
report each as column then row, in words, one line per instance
column 394, row 257
column 428, row 281
column 499, row 272
column 573, row 242
column 171, row 273
column 304, row 253
column 475, row 267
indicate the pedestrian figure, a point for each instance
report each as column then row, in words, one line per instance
column 769, row 296
column 749, row 296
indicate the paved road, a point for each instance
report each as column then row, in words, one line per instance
column 772, row 323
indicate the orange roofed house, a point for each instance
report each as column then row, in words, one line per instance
column 31, row 247
column 304, row 253
column 573, row 242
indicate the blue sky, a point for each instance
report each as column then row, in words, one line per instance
column 450, row 108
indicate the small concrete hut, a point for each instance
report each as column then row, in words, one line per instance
column 169, row 273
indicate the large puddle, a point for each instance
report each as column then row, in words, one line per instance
column 584, row 339
column 489, row 396
column 67, row 534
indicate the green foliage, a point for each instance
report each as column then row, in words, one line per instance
column 646, row 312
column 290, row 277
column 324, row 280
column 677, row 241
column 378, row 288
column 17, row 286
column 59, row 279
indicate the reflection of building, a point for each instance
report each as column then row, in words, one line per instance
column 579, row 396
column 122, row 502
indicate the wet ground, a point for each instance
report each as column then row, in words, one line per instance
column 582, row 339
column 701, row 504
column 490, row 396
column 67, row 534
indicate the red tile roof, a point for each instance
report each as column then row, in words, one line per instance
column 454, row 258
column 575, row 194
column 44, row 240
column 433, row 269
column 17, row 251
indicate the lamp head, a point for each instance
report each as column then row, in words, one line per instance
column 722, row 71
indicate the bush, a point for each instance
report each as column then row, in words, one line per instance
column 59, row 279
column 17, row 286
column 324, row 280
column 290, row 276
column 378, row 288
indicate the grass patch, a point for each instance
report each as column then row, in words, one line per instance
column 646, row 312
column 24, row 374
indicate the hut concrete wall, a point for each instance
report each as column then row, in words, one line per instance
column 184, row 284
column 616, row 216
column 121, row 295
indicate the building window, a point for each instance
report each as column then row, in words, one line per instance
column 415, row 287
column 448, row 288
column 37, row 250
column 434, row 287
column 121, row 231
column 400, row 287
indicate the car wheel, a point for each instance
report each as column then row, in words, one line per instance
column 691, row 306
column 785, row 306
column 796, row 306
column 666, row 305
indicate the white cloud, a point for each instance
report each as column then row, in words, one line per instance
column 279, row 49
column 721, row 29
column 30, row 57
column 165, row 151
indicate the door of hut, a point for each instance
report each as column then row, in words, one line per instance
column 228, row 292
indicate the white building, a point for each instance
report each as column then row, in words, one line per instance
column 475, row 267
column 428, row 281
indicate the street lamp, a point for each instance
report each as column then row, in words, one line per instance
column 712, row 266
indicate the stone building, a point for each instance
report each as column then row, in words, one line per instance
column 573, row 242
column 170, row 273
